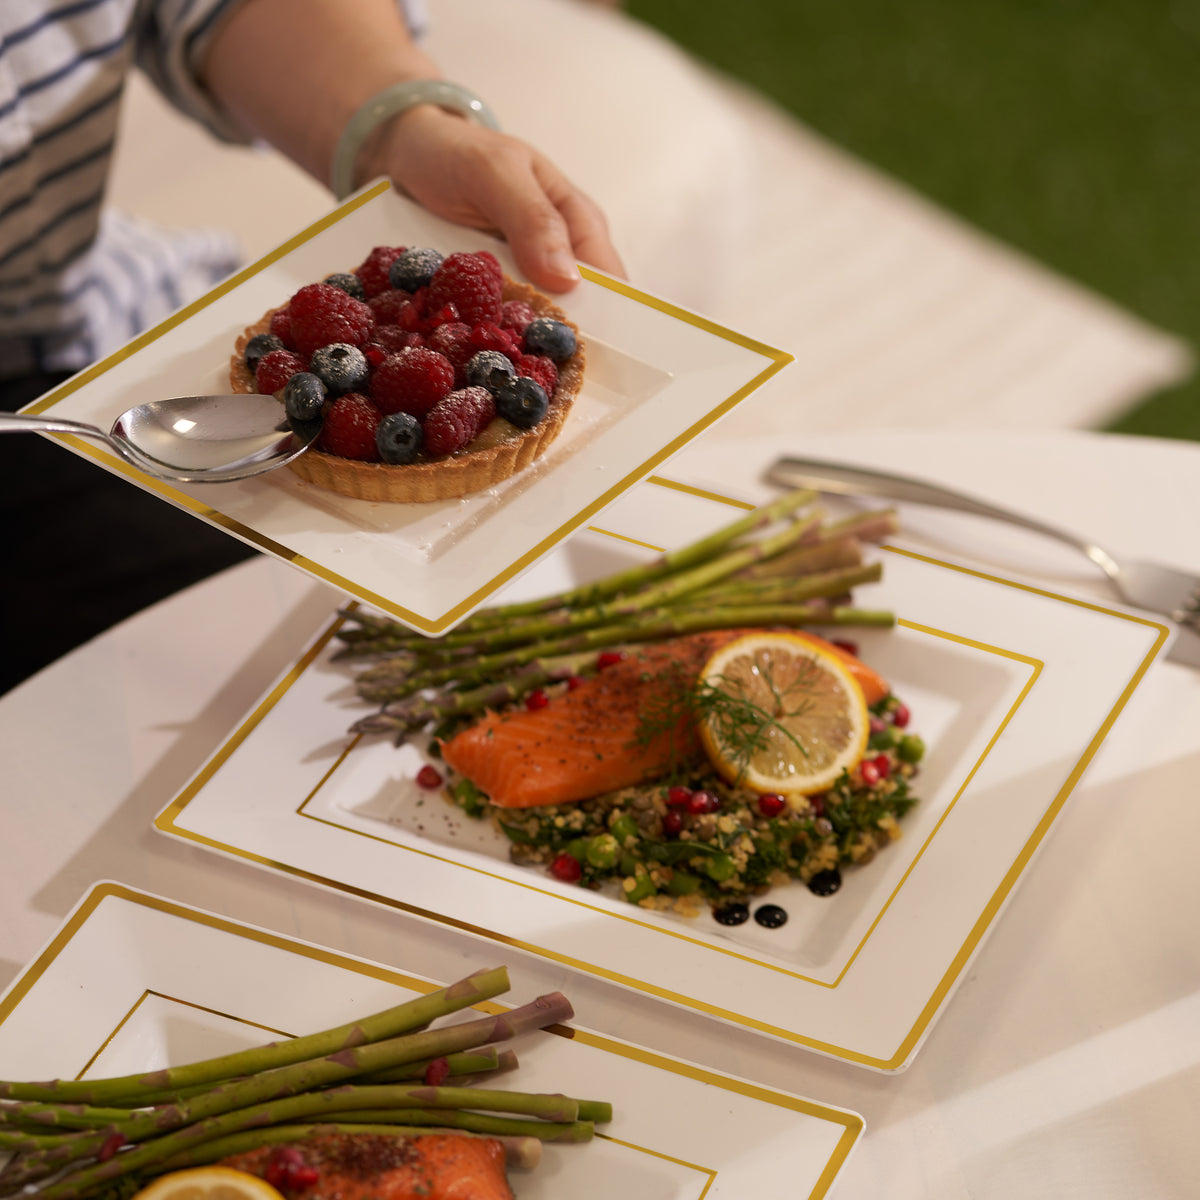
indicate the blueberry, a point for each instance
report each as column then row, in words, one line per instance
column 399, row 438
column 303, row 396
column 489, row 369
column 522, row 401
column 551, row 338
column 340, row 366
column 259, row 345
column 350, row 284
column 414, row 268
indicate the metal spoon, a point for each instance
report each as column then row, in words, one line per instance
column 192, row 439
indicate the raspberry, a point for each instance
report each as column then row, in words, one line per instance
column 322, row 313
column 447, row 314
column 492, row 263
column 454, row 341
column 350, row 425
column 515, row 315
column 389, row 306
column 281, row 327
column 394, row 339
column 275, row 369
column 373, row 270
column 457, row 420
column 412, row 381
column 487, row 336
column 468, row 282
column 540, row 369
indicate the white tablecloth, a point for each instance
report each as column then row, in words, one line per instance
column 1066, row 1065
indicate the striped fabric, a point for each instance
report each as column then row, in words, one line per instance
column 77, row 281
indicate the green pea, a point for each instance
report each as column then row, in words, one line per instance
column 628, row 864
column 643, row 886
column 720, row 867
column 885, row 739
column 911, row 748
column 683, row 883
column 577, row 848
column 624, row 827
column 603, row 851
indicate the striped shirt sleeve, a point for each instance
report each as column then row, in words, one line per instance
column 171, row 45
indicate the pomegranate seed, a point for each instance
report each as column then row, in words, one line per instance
column 817, row 805
column 536, row 700
column 678, row 797
column 574, row 681
column 848, row 646
column 883, row 765
column 703, row 802
column 429, row 777
column 901, row 716
column 877, row 724
column 110, row 1146
column 437, row 1072
column 567, row 868
column 302, row 1177
column 869, row 773
column 672, row 823
column 771, row 805
column 609, row 658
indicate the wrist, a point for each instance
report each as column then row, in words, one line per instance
column 361, row 149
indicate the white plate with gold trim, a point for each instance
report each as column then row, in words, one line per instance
column 1012, row 688
column 133, row 981
column 657, row 376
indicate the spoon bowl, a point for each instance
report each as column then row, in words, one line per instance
column 192, row 439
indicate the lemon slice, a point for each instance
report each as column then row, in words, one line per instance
column 779, row 714
column 208, row 1183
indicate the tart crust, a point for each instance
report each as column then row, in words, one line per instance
column 496, row 455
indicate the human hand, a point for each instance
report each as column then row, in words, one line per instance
column 475, row 176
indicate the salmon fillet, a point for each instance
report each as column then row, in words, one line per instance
column 591, row 740
column 376, row 1166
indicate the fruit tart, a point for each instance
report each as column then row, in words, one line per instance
column 434, row 376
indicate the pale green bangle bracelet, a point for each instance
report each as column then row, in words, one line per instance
column 388, row 103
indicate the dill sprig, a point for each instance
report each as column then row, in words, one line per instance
column 741, row 725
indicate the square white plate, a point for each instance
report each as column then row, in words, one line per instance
column 1012, row 688
column 134, row 981
column 657, row 376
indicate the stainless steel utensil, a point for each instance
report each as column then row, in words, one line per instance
column 191, row 439
column 1152, row 586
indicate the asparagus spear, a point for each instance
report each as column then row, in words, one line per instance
column 284, row 1083
column 670, row 560
column 650, row 626
column 79, row 1182
column 413, row 1014
column 519, row 1151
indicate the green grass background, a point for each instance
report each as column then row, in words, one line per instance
column 1067, row 128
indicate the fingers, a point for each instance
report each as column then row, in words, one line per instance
column 548, row 223
column 474, row 176
column 586, row 227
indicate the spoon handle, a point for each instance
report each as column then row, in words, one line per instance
column 22, row 423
